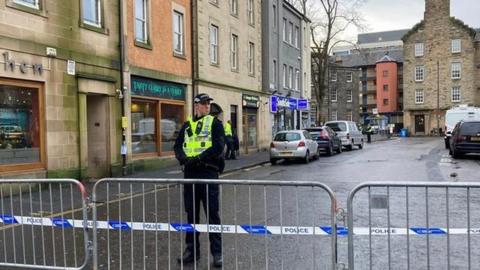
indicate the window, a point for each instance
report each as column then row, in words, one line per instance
column 419, row 96
column 385, row 87
column 21, row 124
column 285, row 77
column 418, row 49
column 385, row 73
column 334, row 76
column 92, row 12
column 349, row 95
column 290, row 33
column 333, row 95
column 213, row 44
column 385, row 101
column 297, row 80
column 251, row 14
column 144, row 131
column 290, row 77
column 456, row 70
column 275, row 23
column 456, row 94
column 349, row 76
column 274, row 71
column 456, row 45
column 251, row 58
column 349, row 115
column 141, row 26
column 284, row 29
column 333, row 115
column 28, row 3
column 178, row 33
column 296, row 37
column 234, row 7
column 419, row 73
column 234, row 52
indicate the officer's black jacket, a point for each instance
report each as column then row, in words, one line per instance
column 213, row 155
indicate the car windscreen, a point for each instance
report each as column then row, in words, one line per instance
column 338, row 126
column 470, row 129
column 287, row 137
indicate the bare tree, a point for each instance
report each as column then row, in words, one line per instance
column 330, row 20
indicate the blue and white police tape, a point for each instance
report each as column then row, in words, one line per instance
column 227, row 229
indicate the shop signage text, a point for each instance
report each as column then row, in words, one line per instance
column 155, row 88
column 23, row 66
column 278, row 102
column 302, row 104
column 251, row 101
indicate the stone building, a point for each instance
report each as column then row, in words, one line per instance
column 59, row 108
column 158, row 77
column 342, row 99
column 440, row 70
column 227, row 54
column 283, row 64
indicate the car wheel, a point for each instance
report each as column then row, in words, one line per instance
column 456, row 154
column 273, row 161
column 360, row 146
column 330, row 150
column 317, row 155
column 306, row 158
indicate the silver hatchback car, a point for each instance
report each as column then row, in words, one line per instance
column 293, row 144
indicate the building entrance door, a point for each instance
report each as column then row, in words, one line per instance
column 420, row 123
column 97, row 130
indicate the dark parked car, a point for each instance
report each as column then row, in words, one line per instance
column 327, row 139
column 465, row 138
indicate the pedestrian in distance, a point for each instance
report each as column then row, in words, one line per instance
column 230, row 154
column 199, row 149
column 369, row 133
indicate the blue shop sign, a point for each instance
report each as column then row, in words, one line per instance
column 292, row 103
column 273, row 104
column 302, row 104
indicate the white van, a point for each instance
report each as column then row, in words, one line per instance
column 457, row 114
column 348, row 133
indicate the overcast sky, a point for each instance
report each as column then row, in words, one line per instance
column 384, row 15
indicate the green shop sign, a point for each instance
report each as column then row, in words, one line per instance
column 155, row 88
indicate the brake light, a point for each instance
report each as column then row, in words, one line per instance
column 301, row 144
column 461, row 138
column 348, row 136
column 272, row 145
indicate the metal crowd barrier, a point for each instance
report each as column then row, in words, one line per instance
column 141, row 224
column 414, row 225
column 43, row 224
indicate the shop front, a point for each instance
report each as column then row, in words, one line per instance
column 157, row 113
column 250, row 106
column 284, row 113
column 21, row 125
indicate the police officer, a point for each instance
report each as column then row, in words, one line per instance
column 369, row 133
column 230, row 154
column 199, row 148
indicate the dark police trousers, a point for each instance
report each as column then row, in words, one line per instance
column 213, row 208
column 230, row 154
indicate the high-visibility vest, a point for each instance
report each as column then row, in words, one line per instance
column 198, row 136
column 228, row 129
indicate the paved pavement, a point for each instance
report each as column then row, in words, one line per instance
column 175, row 171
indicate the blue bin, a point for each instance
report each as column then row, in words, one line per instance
column 403, row 132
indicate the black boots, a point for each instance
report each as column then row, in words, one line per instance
column 188, row 257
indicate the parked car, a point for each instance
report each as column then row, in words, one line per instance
column 465, row 138
column 457, row 114
column 348, row 133
column 326, row 139
column 293, row 144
